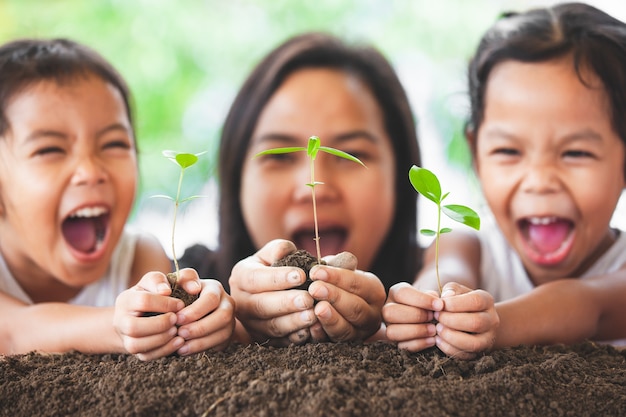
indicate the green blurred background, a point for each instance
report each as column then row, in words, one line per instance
column 184, row 61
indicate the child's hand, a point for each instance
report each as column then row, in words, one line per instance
column 148, row 337
column 350, row 301
column 408, row 314
column 468, row 322
column 209, row 321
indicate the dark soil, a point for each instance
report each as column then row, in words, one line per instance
column 319, row 380
column 179, row 292
column 303, row 260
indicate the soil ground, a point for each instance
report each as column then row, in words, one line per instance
column 320, row 380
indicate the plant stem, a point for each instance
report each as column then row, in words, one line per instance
column 438, row 234
column 317, row 235
column 176, row 203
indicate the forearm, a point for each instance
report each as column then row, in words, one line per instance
column 563, row 311
column 59, row 327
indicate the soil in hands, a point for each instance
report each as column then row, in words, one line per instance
column 179, row 292
column 303, row 260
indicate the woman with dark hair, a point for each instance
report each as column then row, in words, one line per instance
column 349, row 96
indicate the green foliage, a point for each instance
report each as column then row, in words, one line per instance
column 184, row 161
column 427, row 184
column 313, row 147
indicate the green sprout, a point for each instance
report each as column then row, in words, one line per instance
column 427, row 184
column 314, row 146
column 184, row 161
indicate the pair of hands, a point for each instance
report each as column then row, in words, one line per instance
column 206, row 323
column 466, row 320
column 343, row 303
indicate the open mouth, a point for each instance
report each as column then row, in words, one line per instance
column 548, row 239
column 85, row 229
column 332, row 240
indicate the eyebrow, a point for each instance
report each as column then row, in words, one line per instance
column 584, row 134
column 41, row 133
column 344, row 137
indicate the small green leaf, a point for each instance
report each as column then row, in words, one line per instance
column 462, row 214
column 425, row 183
column 341, row 154
column 191, row 197
column 185, row 160
column 313, row 147
column 312, row 185
column 276, row 151
column 444, row 230
column 162, row 196
column 428, row 232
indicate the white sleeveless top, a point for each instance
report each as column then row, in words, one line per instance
column 101, row 293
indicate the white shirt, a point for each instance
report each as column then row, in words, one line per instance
column 101, row 293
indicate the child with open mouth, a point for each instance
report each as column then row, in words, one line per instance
column 548, row 134
column 72, row 275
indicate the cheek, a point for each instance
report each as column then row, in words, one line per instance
column 260, row 198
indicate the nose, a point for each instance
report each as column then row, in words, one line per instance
column 541, row 178
column 321, row 175
column 88, row 171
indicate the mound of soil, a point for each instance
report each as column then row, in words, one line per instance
column 319, row 380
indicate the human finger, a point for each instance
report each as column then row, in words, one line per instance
column 405, row 293
column 407, row 332
column 394, row 313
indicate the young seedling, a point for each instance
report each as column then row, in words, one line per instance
column 427, row 184
column 184, row 161
column 314, row 146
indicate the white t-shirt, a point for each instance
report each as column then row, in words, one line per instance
column 101, row 293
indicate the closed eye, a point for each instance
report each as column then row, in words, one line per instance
column 578, row 153
column 505, row 151
column 48, row 150
column 124, row 144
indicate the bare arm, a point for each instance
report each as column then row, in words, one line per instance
column 566, row 311
column 56, row 327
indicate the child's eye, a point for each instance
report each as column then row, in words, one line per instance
column 48, row 150
column 124, row 144
column 578, row 153
column 505, row 151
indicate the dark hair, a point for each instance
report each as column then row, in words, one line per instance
column 27, row 61
column 596, row 41
column 398, row 258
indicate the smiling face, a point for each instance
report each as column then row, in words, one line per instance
column 355, row 205
column 67, row 182
column 551, row 165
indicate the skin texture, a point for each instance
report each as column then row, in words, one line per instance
column 275, row 199
column 548, row 160
column 69, row 147
column 355, row 210
column 546, row 149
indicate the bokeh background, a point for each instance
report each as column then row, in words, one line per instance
column 185, row 60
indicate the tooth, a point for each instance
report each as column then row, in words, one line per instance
column 89, row 212
column 542, row 221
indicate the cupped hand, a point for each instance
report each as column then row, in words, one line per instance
column 468, row 322
column 148, row 337
column 408, row 315
column 266, row 305
column 349, row 301
column 209, row 321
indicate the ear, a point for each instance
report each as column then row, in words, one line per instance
column 470, row 137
